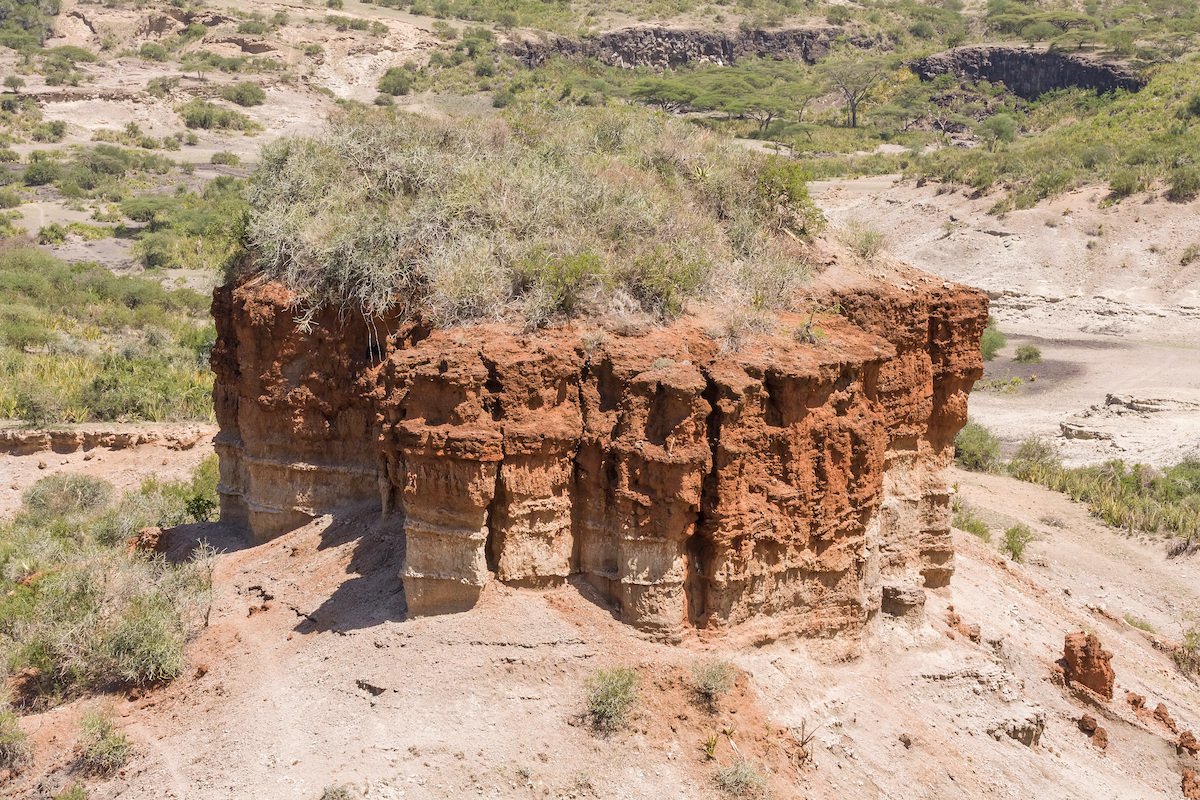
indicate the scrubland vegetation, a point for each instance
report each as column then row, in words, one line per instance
column 539, row 214
column 1136, row 498
column 78, row 343
column 79, row 611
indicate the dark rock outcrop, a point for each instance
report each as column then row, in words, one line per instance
column 661, row 48
column 1029, row 72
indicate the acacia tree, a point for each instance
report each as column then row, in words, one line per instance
column 854, row 74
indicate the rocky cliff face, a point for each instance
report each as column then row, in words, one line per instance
column 781, row 485
column 1029, row 72
column 661, row 48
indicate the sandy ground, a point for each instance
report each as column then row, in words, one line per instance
column 311, row 675
column 125, row 467
column 1101, row 290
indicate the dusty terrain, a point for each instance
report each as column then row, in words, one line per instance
column 311, row 675
column 1101, row 289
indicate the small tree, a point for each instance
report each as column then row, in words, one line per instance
column 1000, row 129
column 854, row 75
column 14, row 82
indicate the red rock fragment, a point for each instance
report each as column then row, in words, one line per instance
column 1087, row 663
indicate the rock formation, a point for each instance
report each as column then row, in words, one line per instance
column 1029, row 72
column 784, row 483
column 1087, row 663
column 662, row 48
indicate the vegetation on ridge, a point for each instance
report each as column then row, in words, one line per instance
column 548, row 213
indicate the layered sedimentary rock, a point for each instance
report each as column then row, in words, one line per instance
column 694, row 487
column 663, row 48
column 1029, row 72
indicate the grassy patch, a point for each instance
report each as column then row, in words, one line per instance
column 540, row 215
column 77, row 612
column 711, row 680
column 105, row 749
column 14, row 744
column 78, row 344
column 741, row 779
column 611, row 697
column 976, row 449
column 965, row 519
column 1134, row 497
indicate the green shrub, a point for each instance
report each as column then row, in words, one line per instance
column 1036, row 460
column 225, row 158
column 611, row 696
column 1016, row 539
column 244, row 93
column 152, row 51
column 741, row 779
column 75, row 792
column 711, row 680
column 199, row 113
column 1028, row 354
column 105, row 750
column 1184, row 184
column 992, row 341
column 64, row 493
column 976, row 449
column 14, row 744
column 335, row 4
column 396, row 81
column 865, row 240
column 336, row 793
column 965, row 519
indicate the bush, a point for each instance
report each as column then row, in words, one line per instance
column 396, row 81
column 611, row 695
column 1036, row 460
column 146, row 645
column 105, row 750
column 199, row 113
column 63, row 494
column 1015, row 540
column 975, row 448
column 244, row 93
column 992, row 341
column 1184, row 184
column 864, row 240
column 741, row 779
column 711, row 680
column 1028, row 354
column 75, row 792
column 14, row 744
column 965, row 519
column 225, row 158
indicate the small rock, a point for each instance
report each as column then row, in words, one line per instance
column 1087, row 663
column 1100, row 738
column 42, row 465
column 1162, row 715
column 1137, row 701
column 1188, row 741
column 903, row 601
column 1190, row 785
column 1087, row 724
column 906, row 740
column 88, row 456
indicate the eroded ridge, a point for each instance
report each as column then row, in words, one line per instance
column 782, row 484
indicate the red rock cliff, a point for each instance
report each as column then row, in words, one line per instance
column 784, row 483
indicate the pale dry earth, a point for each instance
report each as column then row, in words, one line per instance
column 311, row 675
column 1102, row 289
